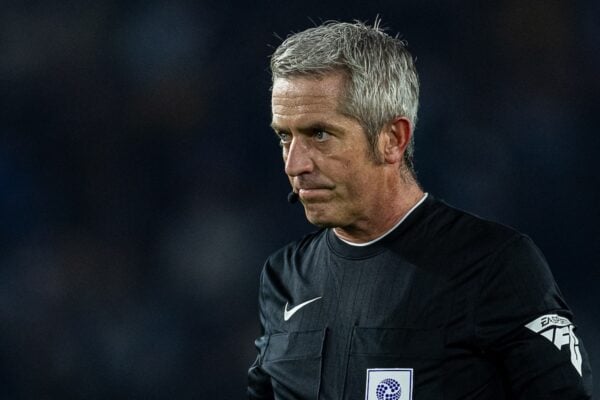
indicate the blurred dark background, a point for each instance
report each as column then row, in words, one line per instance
column 141, row 188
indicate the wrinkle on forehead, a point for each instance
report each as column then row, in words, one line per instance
column 303, row 105
column 299, row 95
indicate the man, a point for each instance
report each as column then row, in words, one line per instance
column 398, row 296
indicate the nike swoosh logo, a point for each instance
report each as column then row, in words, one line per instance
column 287, row 314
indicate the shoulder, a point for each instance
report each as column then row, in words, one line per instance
column 465, row 227
column 489, row 241
column 291, row 255
column 304, row 245
column 442, row 235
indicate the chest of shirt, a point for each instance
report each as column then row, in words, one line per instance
column 348, row 318
column 386, row 292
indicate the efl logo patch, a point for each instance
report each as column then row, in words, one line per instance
column 558, row 330
column 389, row 384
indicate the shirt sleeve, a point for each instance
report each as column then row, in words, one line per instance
column 259, row 382
column 524, row 325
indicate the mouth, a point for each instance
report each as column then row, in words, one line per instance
column 314, row 193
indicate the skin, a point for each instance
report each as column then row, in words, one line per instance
column 328, row 163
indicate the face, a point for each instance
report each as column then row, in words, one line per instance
column 325, row 153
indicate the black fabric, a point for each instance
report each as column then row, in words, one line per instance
column 446, row 294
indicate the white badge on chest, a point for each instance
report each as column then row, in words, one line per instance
column 389, row 384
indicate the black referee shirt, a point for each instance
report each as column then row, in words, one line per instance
column 447, row 306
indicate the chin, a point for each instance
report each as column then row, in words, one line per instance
column 323, row 224
column 321, row 219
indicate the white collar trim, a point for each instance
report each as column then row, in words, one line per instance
column 389, row 231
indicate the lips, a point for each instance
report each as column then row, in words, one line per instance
column 304, row 185
column 313, row 193
column 307, row 189
column 310, row 190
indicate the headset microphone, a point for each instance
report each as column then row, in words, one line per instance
column 292, row 197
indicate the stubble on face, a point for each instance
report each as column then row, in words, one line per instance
column 341, row 167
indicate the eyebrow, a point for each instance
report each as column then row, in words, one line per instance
column 275, row 127
column 317, row 126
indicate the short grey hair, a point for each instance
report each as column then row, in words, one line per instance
column 382, row 81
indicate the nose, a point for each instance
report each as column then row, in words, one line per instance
column 297, row 158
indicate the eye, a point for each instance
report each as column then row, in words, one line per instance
column 321, row 136
column 284, row 138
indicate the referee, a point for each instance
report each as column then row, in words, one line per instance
column 398, row 296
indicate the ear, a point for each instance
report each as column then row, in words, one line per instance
column 394, row 139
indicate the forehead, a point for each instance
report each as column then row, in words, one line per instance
column 304, row 96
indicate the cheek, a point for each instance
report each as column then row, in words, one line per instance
column 362, row 178
column 352, row 176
